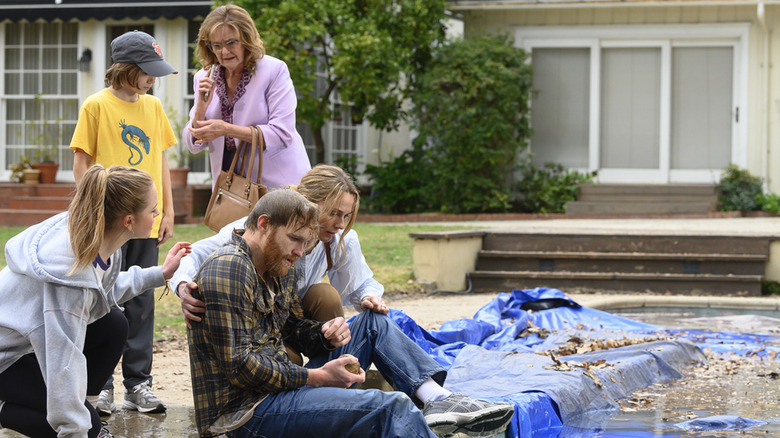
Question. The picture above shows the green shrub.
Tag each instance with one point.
(740, 191)
(769, 287)
(770, 202)
(470, 111)
(547, 189)
(399, 185)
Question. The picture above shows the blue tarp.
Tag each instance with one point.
(497, 356)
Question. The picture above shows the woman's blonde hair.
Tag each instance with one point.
(240, 21)
(102, 198)
(325, 186)
(122, 74)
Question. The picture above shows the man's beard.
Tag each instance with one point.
(275, 257)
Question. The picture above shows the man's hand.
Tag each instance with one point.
(375, 304)
(336, 331)
(190, 306)
(333, 374)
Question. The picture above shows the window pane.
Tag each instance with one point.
(630, 105)
(13, 32)
(70, 58)
(51, 109)
(70, 109)
(70, 33)
(13, 134)
(67, 129)
(13, 83)
(31, 84)
(51, 33)
(69, 83)
(13, 110)
(50, 81)
(560, 102)
(32, 58)
(701, 107)
(51, 58)
(13, 59)
(32, 109)
(31, 34)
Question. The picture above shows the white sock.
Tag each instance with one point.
(431, 391)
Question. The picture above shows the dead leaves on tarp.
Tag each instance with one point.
(543, 333)
(587, 367)
(579, 345)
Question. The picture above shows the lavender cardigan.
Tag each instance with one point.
(269, 102)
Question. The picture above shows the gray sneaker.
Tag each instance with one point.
(105, 405)
(461, 414)
(141, 398)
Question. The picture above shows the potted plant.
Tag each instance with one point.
(45, 161)
(178, 165)
(24, 172)
(47, 137)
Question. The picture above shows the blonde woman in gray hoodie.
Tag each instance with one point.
(61, 331)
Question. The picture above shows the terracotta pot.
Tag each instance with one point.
(48, 172)
(179, 177)
(31, 176)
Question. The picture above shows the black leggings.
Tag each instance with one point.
(24, 391)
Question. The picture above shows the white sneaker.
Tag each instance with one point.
(459, 414)
(105, 405)
(141, 398)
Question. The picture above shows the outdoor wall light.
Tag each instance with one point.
(86, 58)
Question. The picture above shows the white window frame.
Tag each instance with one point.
(4, 98)
(665, 37)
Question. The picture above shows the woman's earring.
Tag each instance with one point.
(131, 233)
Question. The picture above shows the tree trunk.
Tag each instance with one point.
(319, 145)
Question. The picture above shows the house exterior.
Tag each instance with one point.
(56, 52)
(647, 91)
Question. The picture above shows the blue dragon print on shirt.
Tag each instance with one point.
(130, 133)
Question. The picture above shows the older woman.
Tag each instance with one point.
(239, 87)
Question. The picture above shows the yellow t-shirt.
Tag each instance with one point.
(135, 134)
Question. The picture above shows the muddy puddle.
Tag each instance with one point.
(729, 385)
(177, 422)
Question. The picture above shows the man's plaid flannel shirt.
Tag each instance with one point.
(236, 352)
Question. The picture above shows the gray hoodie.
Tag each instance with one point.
(46, 311)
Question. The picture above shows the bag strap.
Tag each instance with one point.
(258, 141)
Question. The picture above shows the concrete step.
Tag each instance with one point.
(625, 243)
(603, 199)
(39, 202)
(591, 261)
(640, 206)
(649, 189)
(648, 198)
(706, 284)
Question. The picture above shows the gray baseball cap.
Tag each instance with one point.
(140, 48)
